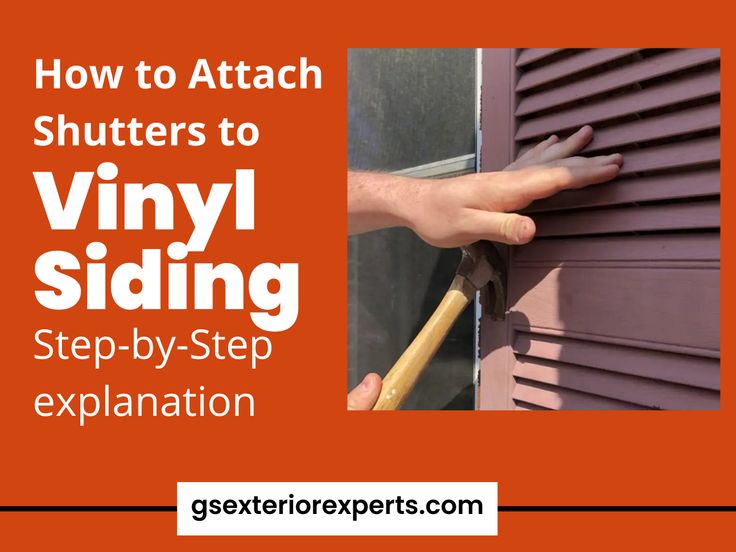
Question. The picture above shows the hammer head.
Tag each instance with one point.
(483, 267)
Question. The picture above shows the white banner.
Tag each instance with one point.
(333, 508)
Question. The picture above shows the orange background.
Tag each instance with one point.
(301, 430)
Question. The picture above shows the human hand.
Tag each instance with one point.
(552, 149)
(457, 211)
(365, 395)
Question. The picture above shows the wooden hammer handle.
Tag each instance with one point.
(402, 377)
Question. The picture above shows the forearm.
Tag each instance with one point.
(379, 200)
(455, 211)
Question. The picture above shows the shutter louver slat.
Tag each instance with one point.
(555, 398)
(654, 365)
(692, 248)
(647, 69)
(570, 66)
(697, 119)
(671, 156)
(531, 55)
(624, 387)
(661, 95)
(521, 405)
(635, 190)
(683, 216)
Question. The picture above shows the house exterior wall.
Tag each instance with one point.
(615, 305)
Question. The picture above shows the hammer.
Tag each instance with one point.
(481, 269)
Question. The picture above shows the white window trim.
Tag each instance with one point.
(444, 168)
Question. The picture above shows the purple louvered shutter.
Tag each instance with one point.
(616, 304)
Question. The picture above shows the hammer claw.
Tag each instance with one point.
(481, 269)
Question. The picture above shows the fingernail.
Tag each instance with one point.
(526, 230)
(364, 386)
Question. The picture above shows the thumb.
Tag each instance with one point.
(365, 395)
(508, 228)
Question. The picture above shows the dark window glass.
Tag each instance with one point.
(407, 107)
